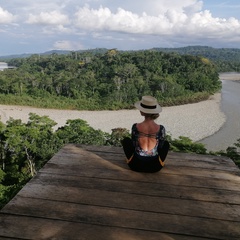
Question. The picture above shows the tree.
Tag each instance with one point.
(108, 79)
(78, 131)
(29, 145)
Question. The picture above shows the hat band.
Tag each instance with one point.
(149, 107)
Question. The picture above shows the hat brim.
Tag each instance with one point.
(156, 110)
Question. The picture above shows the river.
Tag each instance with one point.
(230, 105)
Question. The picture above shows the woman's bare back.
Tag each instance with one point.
(147, 134)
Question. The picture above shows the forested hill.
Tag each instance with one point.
(226, 59)
(111, 80)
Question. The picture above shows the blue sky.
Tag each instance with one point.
(41, 25)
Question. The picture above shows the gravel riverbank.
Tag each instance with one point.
(198, 121)
(195, 121)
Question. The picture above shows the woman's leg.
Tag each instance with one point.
(139, 163)
(128, 147)
(163, 150)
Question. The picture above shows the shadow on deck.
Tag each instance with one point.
(88, 192)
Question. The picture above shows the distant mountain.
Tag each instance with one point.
(59, 52)
(95, 51)
(24, 55)
(215, 54)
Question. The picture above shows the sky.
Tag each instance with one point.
(37, 26)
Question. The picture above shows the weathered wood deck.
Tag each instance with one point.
(87, 192)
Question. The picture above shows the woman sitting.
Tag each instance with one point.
(147, 148)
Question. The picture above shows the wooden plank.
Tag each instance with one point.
(151, 189)
(158, 181)
(96, 190)
(127, 218)
(163, 181)
(114, 169)
(90, 192)
(84, 156)
(181, 157)
(175, 159)
(119, 160)
(202, 193)
(100, 166)
(168, 175)
(43, 228)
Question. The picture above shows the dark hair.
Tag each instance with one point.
(152, 116)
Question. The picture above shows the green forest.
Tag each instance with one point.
(92, 80)
(112, 80)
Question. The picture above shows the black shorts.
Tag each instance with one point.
(145, 164)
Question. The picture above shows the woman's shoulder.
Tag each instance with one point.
(148, 128)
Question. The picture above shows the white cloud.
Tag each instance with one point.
(193, 6)
(67, 45)
(122, 24)
(122, 20)
(203, 23)
(5, 16)
(171, 22)
(30, 6)
(48, 18)
(153, 7)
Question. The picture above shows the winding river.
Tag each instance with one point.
(230, 105)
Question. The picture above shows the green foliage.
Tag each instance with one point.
(8, 192)
(108, 80)
(225, 59)
(25, 148)
(2, 175)
(29, 145)
(185, 144)
(117, 135)
(232, 152)
(78, 131)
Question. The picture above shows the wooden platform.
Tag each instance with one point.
(87, 192)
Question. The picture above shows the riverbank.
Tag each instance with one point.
(195, 121)
(233, 76)
(198, 121)
(229, 133)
